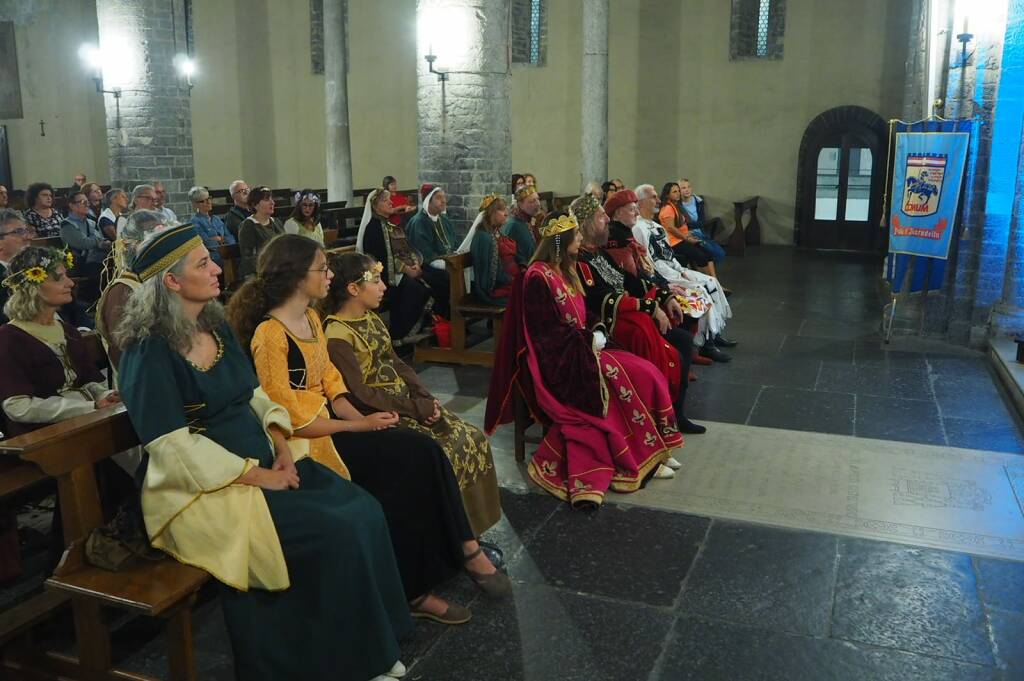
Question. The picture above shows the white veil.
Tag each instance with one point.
(365, 220)
(467, 243)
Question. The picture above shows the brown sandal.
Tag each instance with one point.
(453, 614)
(496, 585)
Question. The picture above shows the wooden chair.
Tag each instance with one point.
(751, 235)
(165, 589)
(230, 256)
(465, 306)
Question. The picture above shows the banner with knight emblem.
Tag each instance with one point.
(928, 170)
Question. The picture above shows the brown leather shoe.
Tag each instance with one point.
(496, 585)
(453, 614)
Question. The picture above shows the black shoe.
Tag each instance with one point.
(723, 342)
(493, 553)
(727, 292)
(711, 352)
(688, 427)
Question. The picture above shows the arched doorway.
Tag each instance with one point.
(840, 173)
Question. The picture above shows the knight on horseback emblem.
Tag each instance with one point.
(923, 186)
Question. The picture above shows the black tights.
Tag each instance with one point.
(682, 341)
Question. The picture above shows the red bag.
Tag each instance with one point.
(443, 331)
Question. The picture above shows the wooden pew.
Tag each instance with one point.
(165, 589)
(229, 260)
(742, 237)
(465, 306)
(562, 202)
(48, 242)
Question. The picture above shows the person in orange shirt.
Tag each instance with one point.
(686, 246)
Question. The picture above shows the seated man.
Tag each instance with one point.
(652, 236)
(430, 232)
(160, 204)
(521, 223)
(640, 317)
(15, 236)
(87, 243)
(239, 211)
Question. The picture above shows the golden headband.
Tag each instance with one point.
(586, 206)
(374, 271)
(558, 226)
(37, 274)
(487, 201)
(525, 192)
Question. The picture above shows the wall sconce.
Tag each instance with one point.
(186, 67)
(449, 30)
(92, 58)
(441, 75)
(965, 37)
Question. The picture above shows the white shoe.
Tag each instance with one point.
(396, 672)
(664, 473)
(672, 463)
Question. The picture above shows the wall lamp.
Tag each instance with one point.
(92, 58)
(441, 75)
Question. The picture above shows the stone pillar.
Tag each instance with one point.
(594, 98)
(339, 149)
(464, 135)
(1008, 314)
(149, 127)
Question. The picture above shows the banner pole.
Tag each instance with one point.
(892, 321)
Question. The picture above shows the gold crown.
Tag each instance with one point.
(586, 206)
(557, 226)
(524, 192)
(487, 201)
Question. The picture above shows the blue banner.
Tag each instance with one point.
(927, 171)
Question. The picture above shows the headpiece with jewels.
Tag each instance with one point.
(586, 207)
(558, 226)
(525, 192)
(299, 197)
(46, 265)
(165, 249)
(487, 201)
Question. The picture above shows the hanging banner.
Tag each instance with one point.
(928, 168)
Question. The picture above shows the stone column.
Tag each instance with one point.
(594, 98)
(464, 135)
(149, 127)
(339, 149)
(1008, 314)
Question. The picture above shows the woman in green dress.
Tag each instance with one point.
(311, 586)
(360, 347)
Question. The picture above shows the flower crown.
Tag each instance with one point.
(487, 201)
(374, 271)
(37, 274)
(586, 207)
(299, 196)
(558, 226)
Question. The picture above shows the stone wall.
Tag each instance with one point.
(149, 128)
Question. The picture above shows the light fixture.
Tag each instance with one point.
(445, 32)
(93, 59)
(186, 67)
(441, 75)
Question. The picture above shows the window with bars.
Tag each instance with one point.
(529, 32)
(757, 29)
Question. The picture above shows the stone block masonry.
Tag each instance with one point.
(149, 128)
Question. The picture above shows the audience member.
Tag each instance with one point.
(360, 347)
(305, 217)
(41, 214)
(494, 254)
(115, 203)
(518, 182)
(405, 470)
(530, 180)
(609, 412)
(159, 205)
(401, 204)
(144, 197)
(410, 298)
(521, 224)
(686, 246)
(239, 210)
(93, 192)
(86, 242)
(79, 182)
(640, 317)
(15, 236)
(310, 582)
(696, 214)
(609, 188)
(3, 197)
(430, 232)
(594, 189)
(256, 230)
(211, 229)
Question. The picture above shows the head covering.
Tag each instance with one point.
(467, 243)
(427, 192)
(559, 225)
(586, 207)
(165, 249)
(36, 265)
(367, 216)
(525, 192)
(618, 200)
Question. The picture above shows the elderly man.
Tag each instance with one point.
(642, 317)
(15, 235)
(79, 182)
(159, 205)
(144, 197)
(521, 222)
(430, 232)
(86, 241)
(239, 211)
(209, 227)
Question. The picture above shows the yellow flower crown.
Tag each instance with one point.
(558, 226)
(374, 271)
(487, 201)
(37, 274)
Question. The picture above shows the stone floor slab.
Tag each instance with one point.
(1003, 436)
(1001, 583)
(892, 418)
(877, 381)
(793, 409)
(712, 399)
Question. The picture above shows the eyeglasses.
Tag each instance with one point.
(146, 197)
(20, 231)
(322, 270)
(81, 201)
(242, 191)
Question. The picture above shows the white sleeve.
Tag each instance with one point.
(439, 264)
(600, 340)
(25, 409)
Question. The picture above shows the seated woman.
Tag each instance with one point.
(115, 204)
(94, 193)
(311, 589)
(494, 254)
(610, 414)
(41, 214)
(360, 347)
(256, 230)
(401, 203)
(305, 218)
(409, 298)
(686, 246)
(406, 471)
(211, 228)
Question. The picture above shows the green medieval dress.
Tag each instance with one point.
(312, 590)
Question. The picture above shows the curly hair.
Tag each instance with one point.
(283, 263)
(347, 268)
(24, 303)
(33, 191)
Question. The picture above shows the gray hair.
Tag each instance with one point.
(137, 192)
(197, 194)
(140, 225)
(593, 188)
(9, 215)
(233, 187)
(643, 189)
(154, 311)
(112, 194)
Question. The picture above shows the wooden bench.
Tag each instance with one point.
(751, 235)
(561, 202)
(165, 589)
(465, 306)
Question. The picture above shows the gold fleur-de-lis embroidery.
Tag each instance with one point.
(580, 486)
(650, 439)
(560, 296)
(569, 318)
(611, 371)
(639, 417)
(625, 394)
(548, 468)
